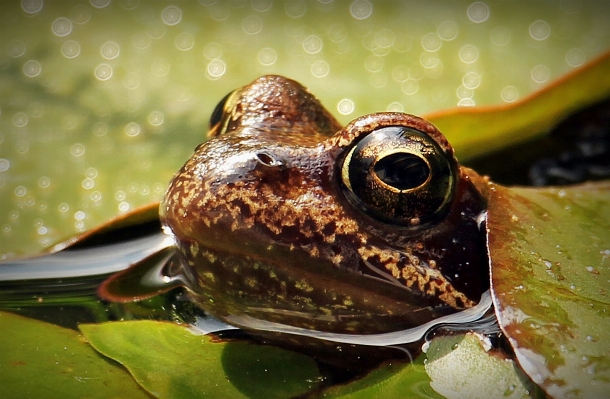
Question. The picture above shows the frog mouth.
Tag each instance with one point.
(471, 318)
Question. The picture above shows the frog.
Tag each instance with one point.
(284, 220)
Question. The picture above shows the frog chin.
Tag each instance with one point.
(479, 316)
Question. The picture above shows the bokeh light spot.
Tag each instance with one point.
(61, 27)
(345, 106)
(478, 12)
(171, 15)
(361, 9)
(540, 30)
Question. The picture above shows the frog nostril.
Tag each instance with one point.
(268, 160)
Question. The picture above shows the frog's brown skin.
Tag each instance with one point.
(261, 217)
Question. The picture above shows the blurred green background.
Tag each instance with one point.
(102, 100)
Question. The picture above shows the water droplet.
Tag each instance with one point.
(312, 44)
(431, 42)
(62, 27)
(509, 94)
(77, 149)
(70, 49)
(373, 63)
(140, 40)
(20, 191)
(478, 12)
(32, 6)
(96, 196)
(410, 86)
(99, 3)
(32, 68)
(132, 129)
(337, 33)
(155, 118)
(361, 9)
(16, 48)
(120, 195)
(295, 8)
(267, 56)
(471, 80)
(448, 30)
(345, 106)
(44, 182)
(385, 38)
(252, 24)
(129, 4)
(171, 15)
(212, 51)
(500, 36)
(216, 68)
(469, 54)
(184, 41)
(42, 230)
(79, 215)
(320, 69)
(575, 57)
(429, 60)
(80, 14)
(20, 119)
(5, 164)
(540, 30)
(261, 5)
(103, 72)
(110, 50)
(99, 129)
(160, 67)
(464, 92)
(395, 107)
(88, 184)
(22, 147)
(124, 206)
(540, 73)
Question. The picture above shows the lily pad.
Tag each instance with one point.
(170, 361)
(40, 360)
(476, 131)
(479, 375)
(391, 380)
(550, 256)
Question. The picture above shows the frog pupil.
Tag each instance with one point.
(402, 171)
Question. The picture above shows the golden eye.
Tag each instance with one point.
(399, 175)
(219, 112)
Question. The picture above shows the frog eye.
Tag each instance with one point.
(219, 111)
(399, 175)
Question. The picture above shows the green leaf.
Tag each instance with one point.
(481, 130)
(392, 380)
(460, 367)
(170, 361)
(40, 360)
(550, 257)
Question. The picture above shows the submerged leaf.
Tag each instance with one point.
(460, 367)
(170, 361)
(550, 257)
(388, 381)
(41, 360)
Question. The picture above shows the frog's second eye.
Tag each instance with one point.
(219, 111)
(400, 176)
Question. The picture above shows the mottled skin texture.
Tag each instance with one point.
(261, 217)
